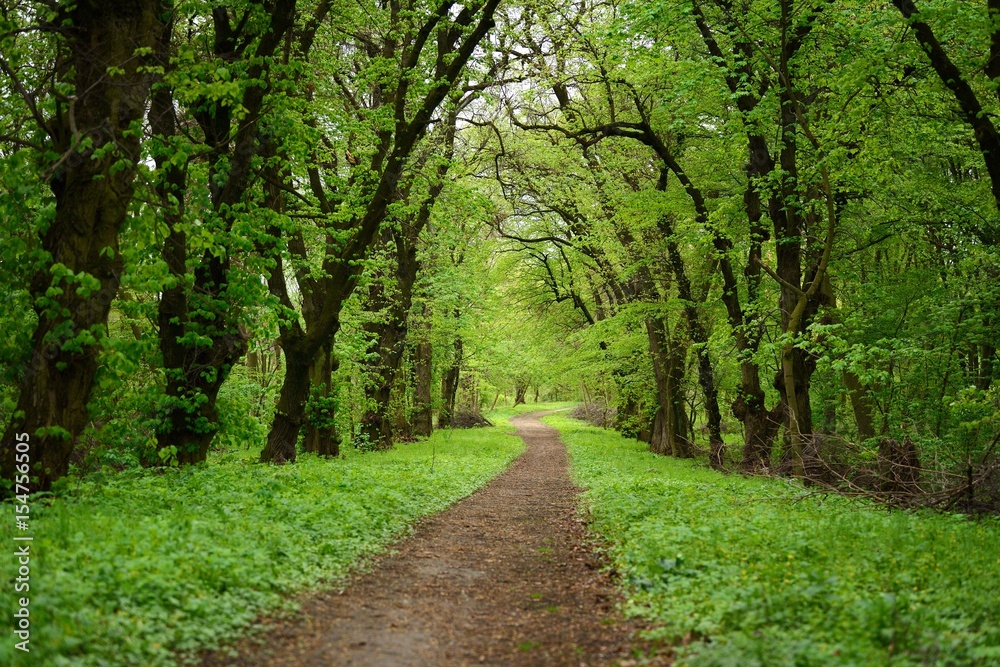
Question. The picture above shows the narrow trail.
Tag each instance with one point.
(501, 578)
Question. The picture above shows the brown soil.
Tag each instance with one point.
(504, 577)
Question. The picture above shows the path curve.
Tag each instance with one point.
(501, 578)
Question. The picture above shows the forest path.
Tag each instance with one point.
(503, 577)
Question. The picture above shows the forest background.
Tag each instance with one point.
(765, 230)
(761, 232)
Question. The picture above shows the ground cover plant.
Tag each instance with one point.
(140, 568)
(757, 571)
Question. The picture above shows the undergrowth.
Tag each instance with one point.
(146, 568)
(752, 572)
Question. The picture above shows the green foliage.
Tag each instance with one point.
(760, 572)
(245, 410)
(136, 568)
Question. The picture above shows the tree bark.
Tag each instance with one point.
(400, 402)
(972, 109)
(670, 427)
(189, 418)
(520, 392)
(422, 417)
(699, 335)
(390, 334)
(73, 291)
(798, 303)
(449, 386)
(388, 165)
(321, 435)
(861, 405)
(289, 413)
(760, 425)
(793, 379)
(390, 338)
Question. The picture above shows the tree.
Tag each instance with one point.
(389, 333)
(200, 332)
(83, 81)
(969, 101)
(392, 115)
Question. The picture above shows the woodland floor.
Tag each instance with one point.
(504, 577)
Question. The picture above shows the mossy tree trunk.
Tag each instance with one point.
(93, 188)
(321, 436)
(389, 169)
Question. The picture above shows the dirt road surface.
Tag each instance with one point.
(504, 577)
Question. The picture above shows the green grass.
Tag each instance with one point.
(505, 413)
(755, 572)
(140, 568)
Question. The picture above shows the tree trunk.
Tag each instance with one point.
(978, 118)
(205, 309)
(375, 427)
(422, 411)
(290, 411)
(376, 423)
(264, 362)
(861, 405)
(788, 249)
(390, 334)
(699, 335)
(759, 424)
(321, 435)
(520, 390)
(74, 290)
(449, 387)
(196, 373)
(670, 426)
(400, 402)
(899, 467)
(626, 421)
(325, 297)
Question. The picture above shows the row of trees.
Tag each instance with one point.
(789, 207)
(187, 182)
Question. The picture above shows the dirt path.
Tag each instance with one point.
(501, 578)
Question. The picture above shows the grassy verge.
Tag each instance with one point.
(754, 572)
(138, 568)
(502, 415)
